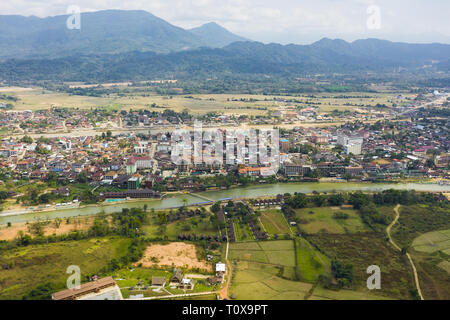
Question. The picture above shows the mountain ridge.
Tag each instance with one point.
(238, 58)
(104, 32)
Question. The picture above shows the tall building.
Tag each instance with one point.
(354, 148)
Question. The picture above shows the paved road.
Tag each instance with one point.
(388, 231)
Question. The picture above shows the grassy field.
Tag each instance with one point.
(418, 219)
(364, 249)
(310, 262)
(195, 225)
(425, 231)
(38, 264)
(315, 220)
(324, 294)
(433, 241)
(271, 252)
(258, 281)
(137, 98)
(431, 253)
(273, 222)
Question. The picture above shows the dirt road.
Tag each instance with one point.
(388, 231)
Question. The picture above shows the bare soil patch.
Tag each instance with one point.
(176, 254)
(10, 233)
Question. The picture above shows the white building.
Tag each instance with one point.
(354, 148)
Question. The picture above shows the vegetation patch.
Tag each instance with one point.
(255, 281)
(41, 264)
(279, 252)
(310, 262)
(329, 220)
(359, 251)
(416, 220)
(274, 222)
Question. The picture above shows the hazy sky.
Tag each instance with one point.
(283, 21)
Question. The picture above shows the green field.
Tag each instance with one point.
(315, 220)
(324, 294)
(47, 263)
(271, 252)
(273, 222)
(195, 225)
(257, 281)
(431, 253)
(416, 220)
(310, 262)
(433, 241)
(139, 97)
(243, 231)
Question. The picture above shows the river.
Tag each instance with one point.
(239, 192)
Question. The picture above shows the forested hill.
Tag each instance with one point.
(239, 58)
(102, 32)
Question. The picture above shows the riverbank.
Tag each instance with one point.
(253, 191)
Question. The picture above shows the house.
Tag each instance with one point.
(186, 284)
(177, 277)
(158, 281)
(221, 268)
(215, 280)
(62, 191)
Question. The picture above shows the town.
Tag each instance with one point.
(411, 145)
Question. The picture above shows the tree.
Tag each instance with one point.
(347, 176)
(318, 200)
(41, 292)
(27, 139)
(82, 177)
(215, 207)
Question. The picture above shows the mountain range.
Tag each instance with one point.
(135, 45)
(103, 32)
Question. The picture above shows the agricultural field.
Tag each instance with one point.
(424, 230)
(273, 222)
(416, 220)
(322, 219)
(197, 104)
(34, 265)
(195, 225)
(364, 249)
(430, 252)
(139, 98)
(343, 294)
(310, 262)
(433, 241)
(259, 281)
(242, 231)
(271, 252)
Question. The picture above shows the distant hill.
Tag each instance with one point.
(238, 58)
(215, 35)
(365, 54)
(102, 32)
